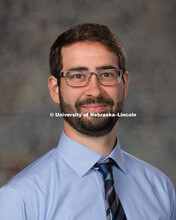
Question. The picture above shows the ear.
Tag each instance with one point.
(53, 89)
(126, 83)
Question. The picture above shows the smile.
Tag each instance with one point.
(95, 107)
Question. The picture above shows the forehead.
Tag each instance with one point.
(87, 53)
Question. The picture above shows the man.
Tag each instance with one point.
(88, 176)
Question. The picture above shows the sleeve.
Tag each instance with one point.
(173, 217)
(12, 205)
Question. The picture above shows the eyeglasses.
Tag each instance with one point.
(109, 77)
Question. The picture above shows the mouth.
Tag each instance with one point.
(95, 107)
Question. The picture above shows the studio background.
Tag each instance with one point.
(28, 29)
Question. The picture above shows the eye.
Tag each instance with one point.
(76, 75)
(108, 74)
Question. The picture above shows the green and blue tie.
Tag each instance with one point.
(114, 209)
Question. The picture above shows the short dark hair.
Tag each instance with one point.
(86, 32)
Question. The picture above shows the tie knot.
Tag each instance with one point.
(105, 169)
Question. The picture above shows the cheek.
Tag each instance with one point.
(115, 93)
(70, 95)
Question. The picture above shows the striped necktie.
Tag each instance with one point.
(114, 209)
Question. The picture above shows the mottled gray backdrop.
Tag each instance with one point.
(147, 31)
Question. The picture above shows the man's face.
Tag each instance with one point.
(94, 97)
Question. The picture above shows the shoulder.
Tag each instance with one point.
(35, 172)
(146, 180)
(135, 164)
(140, 168)
(28, 190)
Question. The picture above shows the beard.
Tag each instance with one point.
(92, 126)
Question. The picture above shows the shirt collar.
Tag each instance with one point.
(81, 159)
(118, 157)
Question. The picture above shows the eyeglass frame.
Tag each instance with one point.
(64, 74)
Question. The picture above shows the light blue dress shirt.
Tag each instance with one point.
(62, 186)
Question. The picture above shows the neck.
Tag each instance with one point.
(103, 144)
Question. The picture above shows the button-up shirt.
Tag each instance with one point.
(61, 185)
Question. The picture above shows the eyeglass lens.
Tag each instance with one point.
(81, 78)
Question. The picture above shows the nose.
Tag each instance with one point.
(94, 88)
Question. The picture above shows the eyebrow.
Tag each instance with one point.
(82, 68)
(79, 68)
(106, 67)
